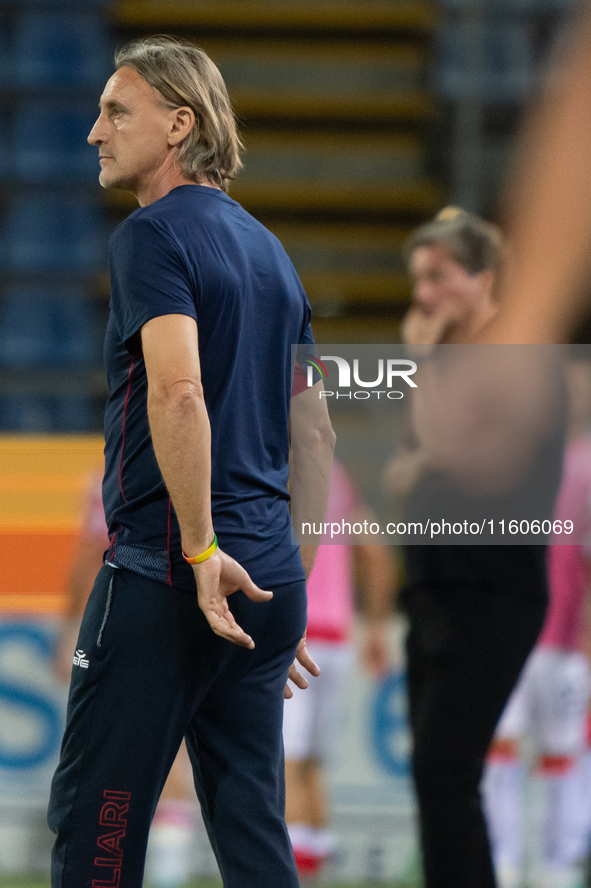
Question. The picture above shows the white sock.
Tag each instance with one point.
(323, 841)
(503, 804)
(301, 836)
(171, 842)
(585, 776)
(566, 821)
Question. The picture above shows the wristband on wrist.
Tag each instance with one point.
(204, 555)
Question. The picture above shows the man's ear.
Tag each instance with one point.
(182, 122)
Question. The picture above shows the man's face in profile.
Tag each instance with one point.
(131, 132)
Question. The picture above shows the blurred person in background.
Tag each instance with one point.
(549, 705)
(311, 721)
(454, 262)
(93, 541)
(474, 612)
(176, 820)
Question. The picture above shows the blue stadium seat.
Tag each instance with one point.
(60, 47)
(46, 413)
(48, 328)
(49, 142)
(5, 65)
(507, 57)
(54, 233)
(3, 148)
(60, 4)
(72, 413)
(25, 413)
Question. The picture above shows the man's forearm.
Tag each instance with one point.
(312, 448)
(310, 485)
(181, 437)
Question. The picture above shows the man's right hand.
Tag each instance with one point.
(305, 660)
(216, 579)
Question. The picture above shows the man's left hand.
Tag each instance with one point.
(217, 578)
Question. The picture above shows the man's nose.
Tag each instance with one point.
(96, 135)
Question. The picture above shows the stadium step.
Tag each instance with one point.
(291, 15)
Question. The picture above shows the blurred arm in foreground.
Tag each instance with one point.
(549, 207)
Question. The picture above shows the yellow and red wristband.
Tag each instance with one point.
(204, 555)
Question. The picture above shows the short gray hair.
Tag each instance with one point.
(474, 243)
(184, 75)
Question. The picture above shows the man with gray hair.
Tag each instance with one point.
(205, 305)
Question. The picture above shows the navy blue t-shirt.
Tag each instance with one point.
(197, 252)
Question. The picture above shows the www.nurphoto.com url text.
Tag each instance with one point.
(429, 528)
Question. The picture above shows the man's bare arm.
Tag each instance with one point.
(312, 448)
(312, 443)
(181, 437)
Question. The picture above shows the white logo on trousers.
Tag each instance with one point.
(79, 659)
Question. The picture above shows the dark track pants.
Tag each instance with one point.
(464, 658)
(155, 673)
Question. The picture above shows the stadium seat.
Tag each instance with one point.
(49, 142)
(48, 328)
(51, 233)
(72, 413)
(25, 413)
(300, 79)
(60, 4)
(340, 263)
(3, 148)
(60, 47)
(45, 413)
(507, 63)
(4, 51)
(513, 6)
(309, 171)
